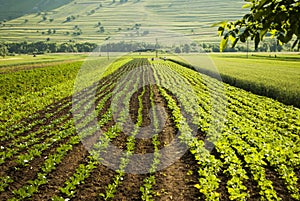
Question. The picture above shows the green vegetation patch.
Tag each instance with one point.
(262, 74)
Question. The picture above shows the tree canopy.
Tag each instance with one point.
(3, 50)
(278, 18)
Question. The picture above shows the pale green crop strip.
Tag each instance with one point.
(130, 145)
(285, 140)
(209, 166)
(264, 186)
(290, 180)
(146, 189)
(269, 106)
(272, 137)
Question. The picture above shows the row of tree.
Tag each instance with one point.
(122, 46)
(45, 47)
(265, 46)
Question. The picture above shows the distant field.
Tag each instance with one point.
(29, 59)
(261, 73)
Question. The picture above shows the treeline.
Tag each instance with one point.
(122, 46)
(46, 47)
(266, 46)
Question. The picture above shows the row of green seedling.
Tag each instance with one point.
(208, 165)
(293, 194)
(130, 145)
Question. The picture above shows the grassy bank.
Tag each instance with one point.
(262, 74)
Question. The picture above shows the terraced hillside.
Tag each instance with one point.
(94, 21)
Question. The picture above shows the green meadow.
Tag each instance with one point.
(264, 74)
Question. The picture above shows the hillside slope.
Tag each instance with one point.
(95, 21)
(16, 8)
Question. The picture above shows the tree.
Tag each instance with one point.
(3, 50)
(279, 18)
(186, 48)
(102, 29)
(177, 50)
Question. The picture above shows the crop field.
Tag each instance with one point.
(143, 130)
(18, 62)
(260, 73)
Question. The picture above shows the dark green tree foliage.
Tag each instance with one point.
(101, 29)
(279, 18)
(3, 50)
(177, 50)
(43, 47)
(186, 48)
(123, 46)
